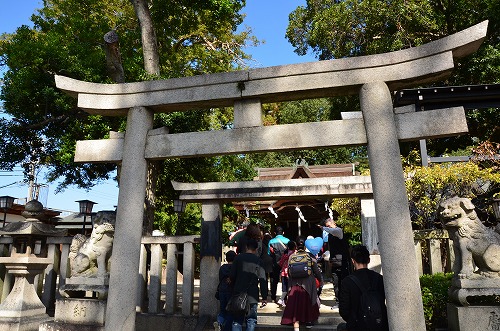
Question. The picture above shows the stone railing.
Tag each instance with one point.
(164, 290)
(150, 287)
(434, 251)
(154, 277)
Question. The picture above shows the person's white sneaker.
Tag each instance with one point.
(281, 303)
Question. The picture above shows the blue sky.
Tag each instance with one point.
(268, 20)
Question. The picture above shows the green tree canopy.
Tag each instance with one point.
(346, 28)
(42, 123)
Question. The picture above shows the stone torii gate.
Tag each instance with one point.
(381, 128)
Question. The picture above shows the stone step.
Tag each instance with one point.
(328, 320)
(288, 327)
(274, 327)
(272, 322)
(276, 320)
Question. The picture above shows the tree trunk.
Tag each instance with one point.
(149, 43)
(150, 200)
(151, 66)
(113, 57)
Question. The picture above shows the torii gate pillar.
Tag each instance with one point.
(211, 252)
(129, 218)
(405, 310)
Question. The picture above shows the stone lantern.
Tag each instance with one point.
(22, 309)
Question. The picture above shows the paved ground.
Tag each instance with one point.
(327, 299)
(269, 317)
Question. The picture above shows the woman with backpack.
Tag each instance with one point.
(303, 303)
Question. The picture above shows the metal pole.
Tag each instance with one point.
(4, 216)
(84, 219)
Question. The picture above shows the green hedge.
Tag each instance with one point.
(435, 297)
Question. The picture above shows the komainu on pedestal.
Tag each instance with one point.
(476, 267)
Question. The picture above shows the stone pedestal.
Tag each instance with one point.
(461, 289)
(473, 318)
(77, 315)
(84, 284)
(22, 310)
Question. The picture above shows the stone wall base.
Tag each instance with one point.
(80, 311)
(59, 326)
(23, 324)
(146, 322)
(473, 318)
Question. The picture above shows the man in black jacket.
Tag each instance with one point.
(350, 298)
(339, 253)
(247, 272)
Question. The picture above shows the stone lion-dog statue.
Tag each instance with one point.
(475, 245)
(89, 257)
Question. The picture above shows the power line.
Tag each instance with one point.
(10, 184)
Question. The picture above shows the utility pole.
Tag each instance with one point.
(33, 187)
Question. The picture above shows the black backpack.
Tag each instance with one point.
(372, 313)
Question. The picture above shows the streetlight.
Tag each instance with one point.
(6, 202)
(86, 209)
(179, 206)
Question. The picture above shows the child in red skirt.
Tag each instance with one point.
(302, 305)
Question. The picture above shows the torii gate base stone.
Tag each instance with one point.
(381, 128)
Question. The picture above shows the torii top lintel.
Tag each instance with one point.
(400, 69)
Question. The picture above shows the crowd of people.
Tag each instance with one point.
(261, 260)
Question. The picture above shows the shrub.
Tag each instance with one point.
(435, 298)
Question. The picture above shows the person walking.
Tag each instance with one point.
(277, 247)
(252, 231)
(302, 305)
(292, 246)
(361, 290)
(247, 275)
(267, 258)
(339, 253)
(224, 290)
